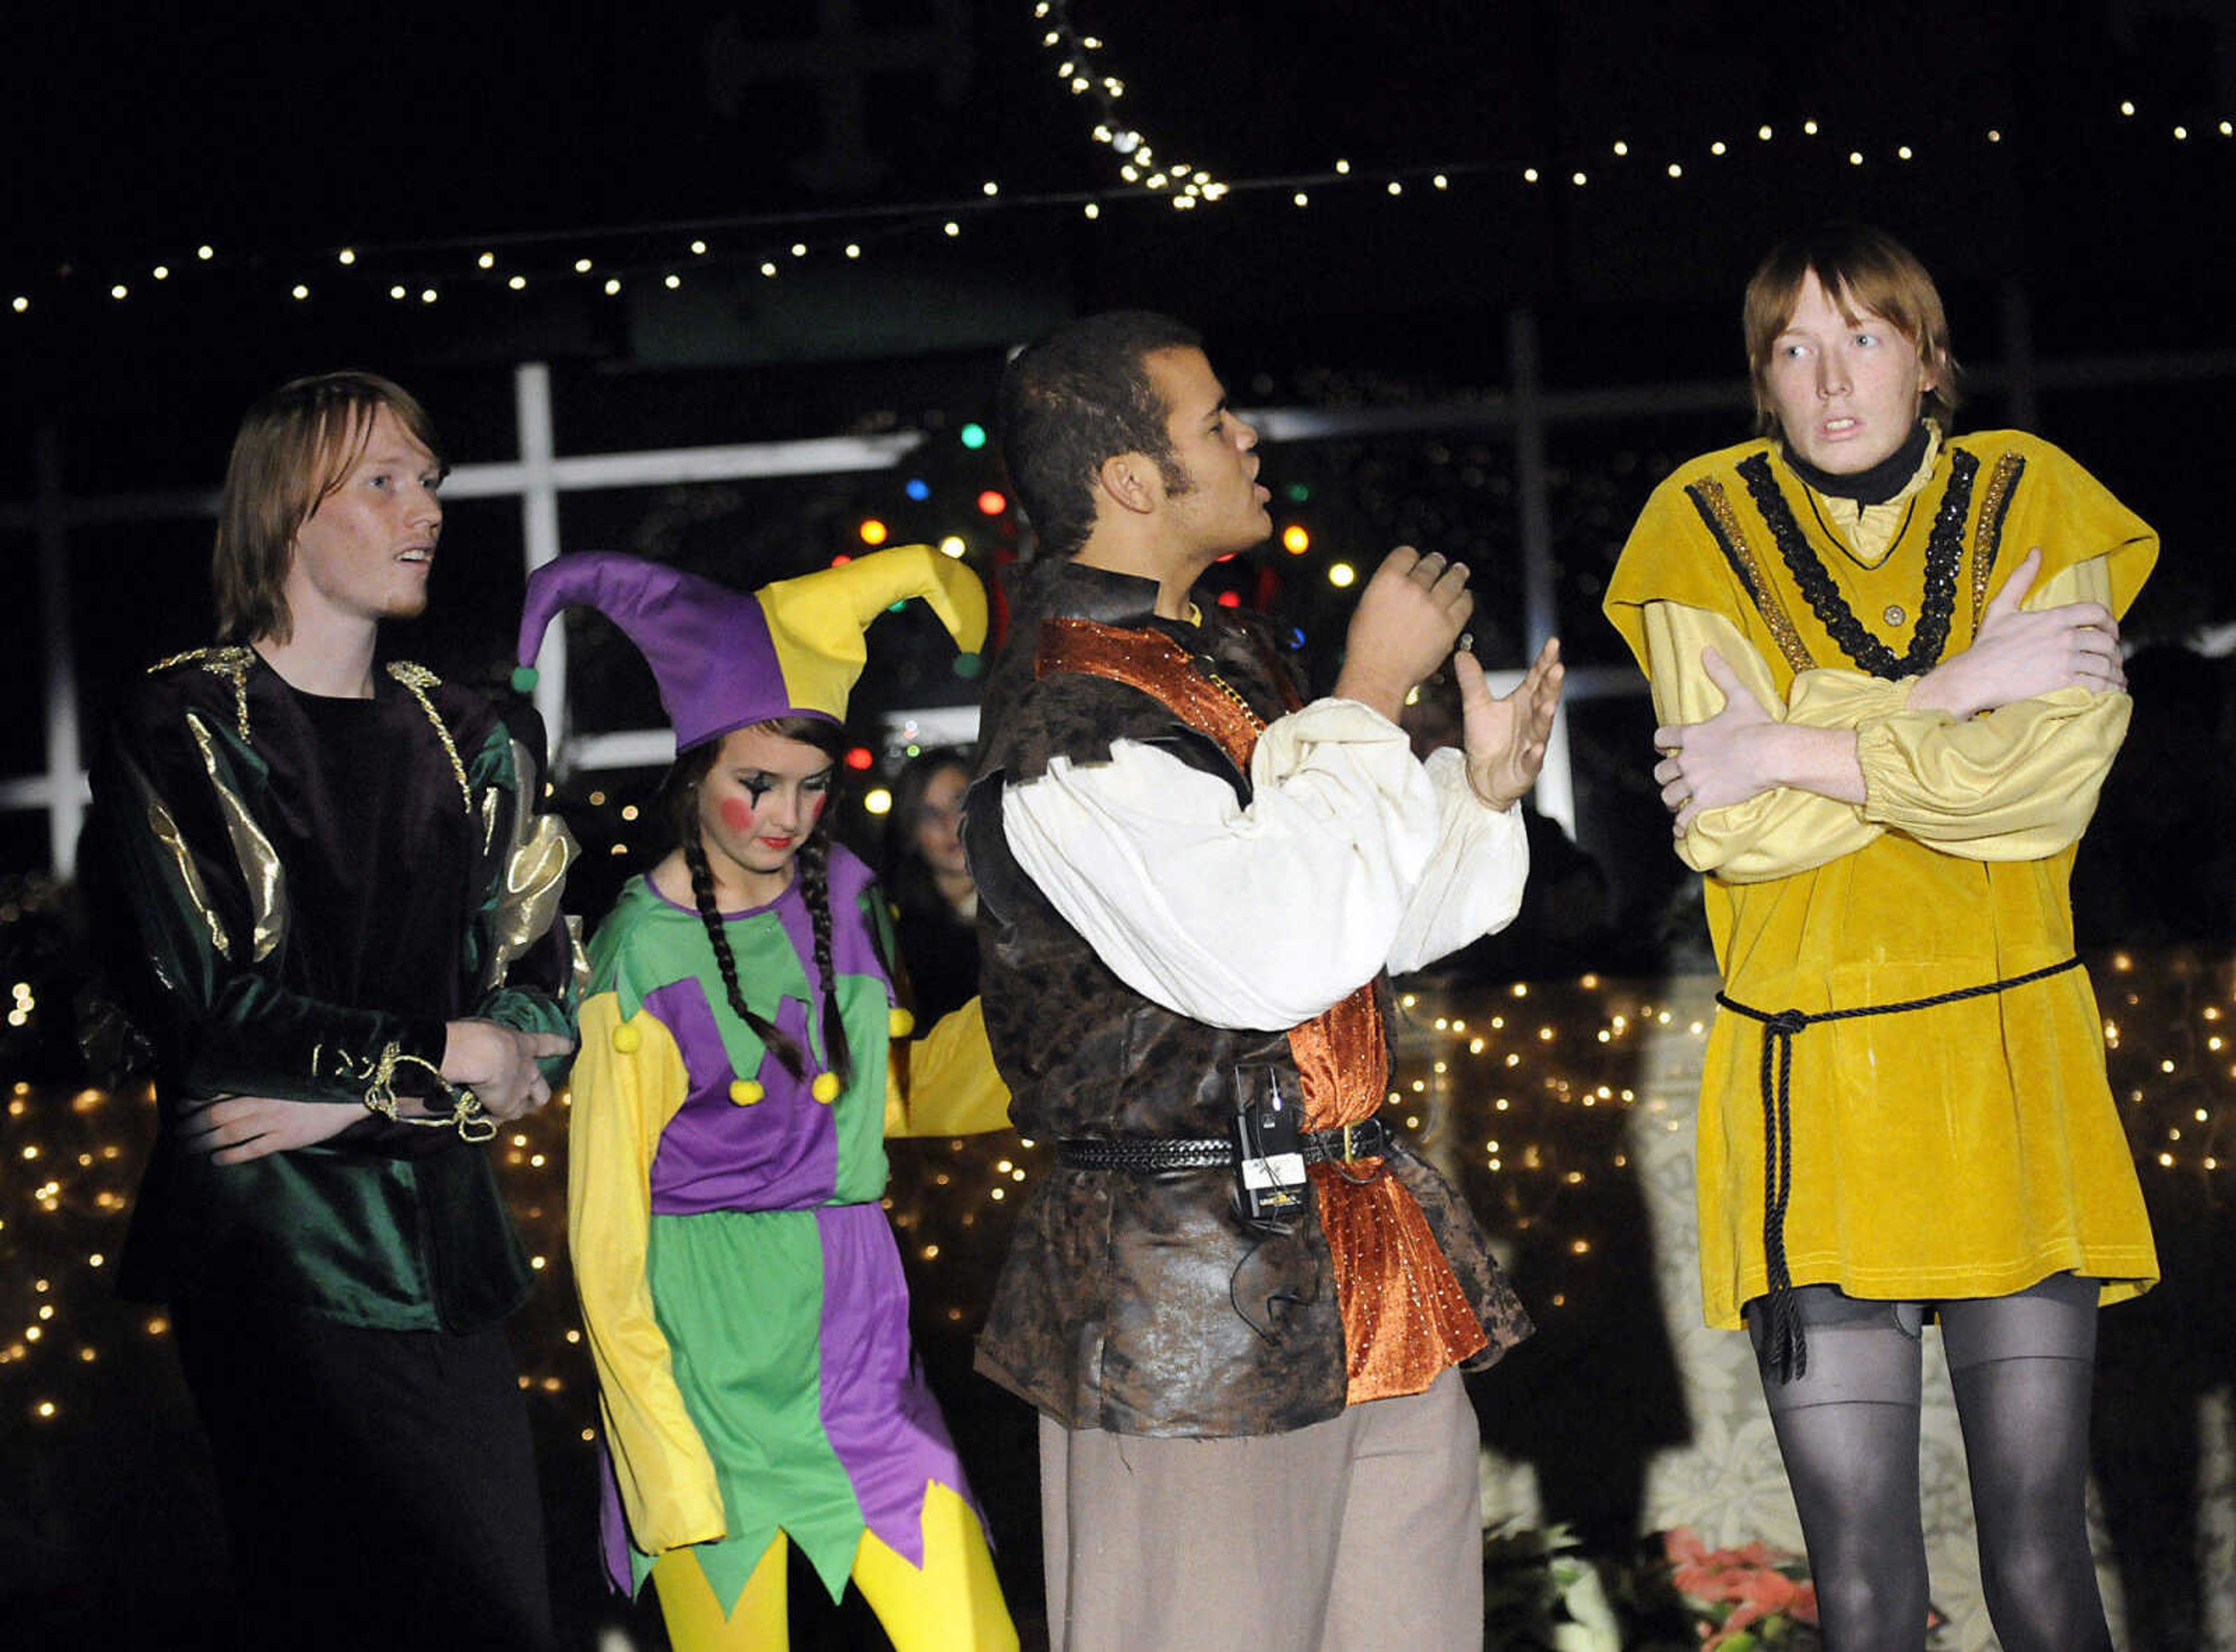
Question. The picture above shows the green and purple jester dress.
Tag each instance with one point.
(739, 1277)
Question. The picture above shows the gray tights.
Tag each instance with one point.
(2021, 1366)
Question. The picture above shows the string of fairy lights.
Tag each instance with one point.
(1078, 67)
(614, 261)
(1530, 1093)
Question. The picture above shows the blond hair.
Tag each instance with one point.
(294, 448)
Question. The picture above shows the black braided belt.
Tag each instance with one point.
(1142, 1155)
(1788, 1355)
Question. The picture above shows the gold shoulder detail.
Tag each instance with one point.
(412, 674)
(231, 660)
(223, 659)
(416, 681)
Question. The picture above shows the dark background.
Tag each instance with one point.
(423, 136)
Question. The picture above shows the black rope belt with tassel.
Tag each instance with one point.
(1788, 1355)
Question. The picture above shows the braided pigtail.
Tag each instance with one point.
(680, 801)
(815, 890)
(703, 891)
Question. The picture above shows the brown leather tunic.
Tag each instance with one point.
(1139, 1303)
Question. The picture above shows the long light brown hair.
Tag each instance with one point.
(294, 448)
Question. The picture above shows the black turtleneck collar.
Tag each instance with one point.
(1875, 486)
(1073, 590)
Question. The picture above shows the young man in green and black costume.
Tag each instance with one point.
(334, 908)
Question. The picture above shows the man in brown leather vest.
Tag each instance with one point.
(1237, 1301)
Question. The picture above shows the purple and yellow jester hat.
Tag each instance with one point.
(723, 658)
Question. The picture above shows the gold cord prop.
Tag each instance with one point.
(465, 1117)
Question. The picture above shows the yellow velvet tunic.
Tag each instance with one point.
(1969, 1149)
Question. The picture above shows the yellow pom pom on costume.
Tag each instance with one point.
(626, 1038)
(824, 1088)
(745, 1091)
(900, 1023)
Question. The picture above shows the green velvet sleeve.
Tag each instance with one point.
(521, 949)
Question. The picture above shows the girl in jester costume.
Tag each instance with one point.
(743, 1058)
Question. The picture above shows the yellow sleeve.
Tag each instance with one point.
(2017, 783)
(1783, 831)
(945, 1084)
(628, 1081)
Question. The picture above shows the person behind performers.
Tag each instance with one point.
(1886, 662)
(334, 911)
(1190, 885)
(739, 1281)
(928, 875)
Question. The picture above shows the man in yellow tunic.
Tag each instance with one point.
(1886, 662)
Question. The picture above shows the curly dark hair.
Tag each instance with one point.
(1078, 395)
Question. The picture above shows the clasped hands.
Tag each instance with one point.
(1407, 623)
(2017, 654)
(496, 1062)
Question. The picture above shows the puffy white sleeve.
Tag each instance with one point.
(1350, 856)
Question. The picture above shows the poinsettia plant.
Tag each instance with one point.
(1744, 1598)
(1545, 1592)
(1752, 1598)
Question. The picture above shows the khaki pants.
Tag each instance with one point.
(1360, 1534)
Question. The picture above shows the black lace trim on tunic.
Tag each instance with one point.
(1945, 550)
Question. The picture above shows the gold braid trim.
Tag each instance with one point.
(1710, 496)
(1987, 533)
(416, 679)
(232, 660)
(465, 1115)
